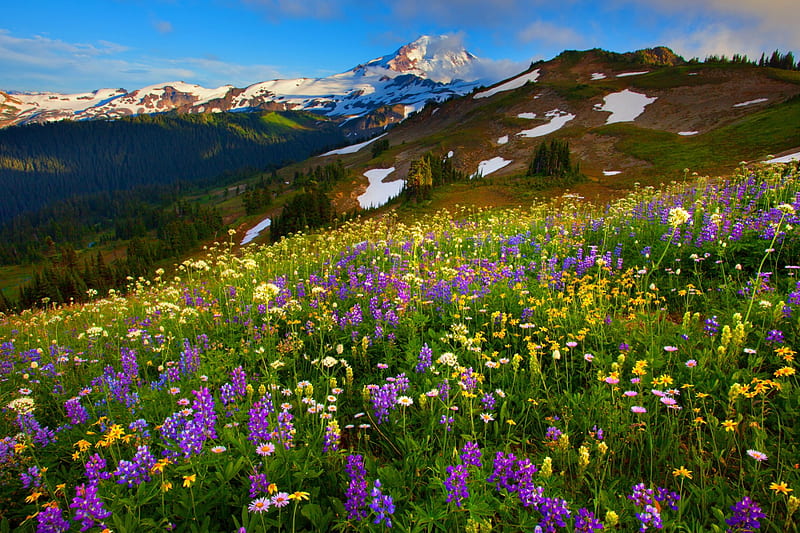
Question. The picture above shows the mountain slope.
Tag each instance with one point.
(623, 115)
(430, 68)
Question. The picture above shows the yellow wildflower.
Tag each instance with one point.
(682, 472)
(188, 480)
(297, 496)
(729, 425)
(781, 487)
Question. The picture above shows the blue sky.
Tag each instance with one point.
(79, 46)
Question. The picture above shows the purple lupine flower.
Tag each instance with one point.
(424, 359)
(204, 415)
(258, 422)
(746, 516)
(552, 433)
(357, 487)
(32, 478)
(191, 439)
(468, 380)
(711, 326)
(667, 498)
(471, 454)
(89, 509)
(258, 484)
(137, 470)
(456, 484)
(76, 413)
(444, 389)
(488, 401)
(140, 426)
(285, 428)
(239, 381)
(775, 336)
(51, 520)
(586, 522)
(332, 437)
(383, 399)
(382, 505)
(554, 514)
(447, 422)
(130, 366)
(95, 469)
(503, 473)
(227, 394)
(649, 517)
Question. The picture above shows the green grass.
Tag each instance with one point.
(754, 137)
(278, 119)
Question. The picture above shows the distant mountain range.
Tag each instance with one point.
(429, 69)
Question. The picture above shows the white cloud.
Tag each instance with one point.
(42, 64)
(549, 33)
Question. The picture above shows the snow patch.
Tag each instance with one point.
(353, 148)
(687, 133)
(379, 192)
(785, 158)
(557, 120)
(611, 172)
(626, 74)
(503, 140)
(598, 76)
(751, 102)
(527, 115)
(624, 106)
(515, 83)
(449, 154)
(490, 165)
(253, 232)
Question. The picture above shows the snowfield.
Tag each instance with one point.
(516, 83)
(785, 158)
(626, 74)
(253, 232)
(624, 106)
(611, 172)
(487, 167)
(379, 192)
(751, 102)
(353, 148)
(503, 140)
(557, 120)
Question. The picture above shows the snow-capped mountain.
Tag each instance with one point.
(430, 68)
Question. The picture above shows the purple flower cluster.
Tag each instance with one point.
(137, 470)
(356, 493)
(471, 454)
(382, 505)
(516, 476)
(76, 413)
(51, 520)
(651, 502)
(258, 484)
(746, 516)
(89, 508)
(456, 484)
(424, 359)
(258, 420)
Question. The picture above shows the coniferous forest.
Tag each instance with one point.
(41, 164)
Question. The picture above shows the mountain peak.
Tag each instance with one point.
(439, 58)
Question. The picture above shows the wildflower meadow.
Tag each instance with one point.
(566, 367)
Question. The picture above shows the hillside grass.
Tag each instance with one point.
(751, 138)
